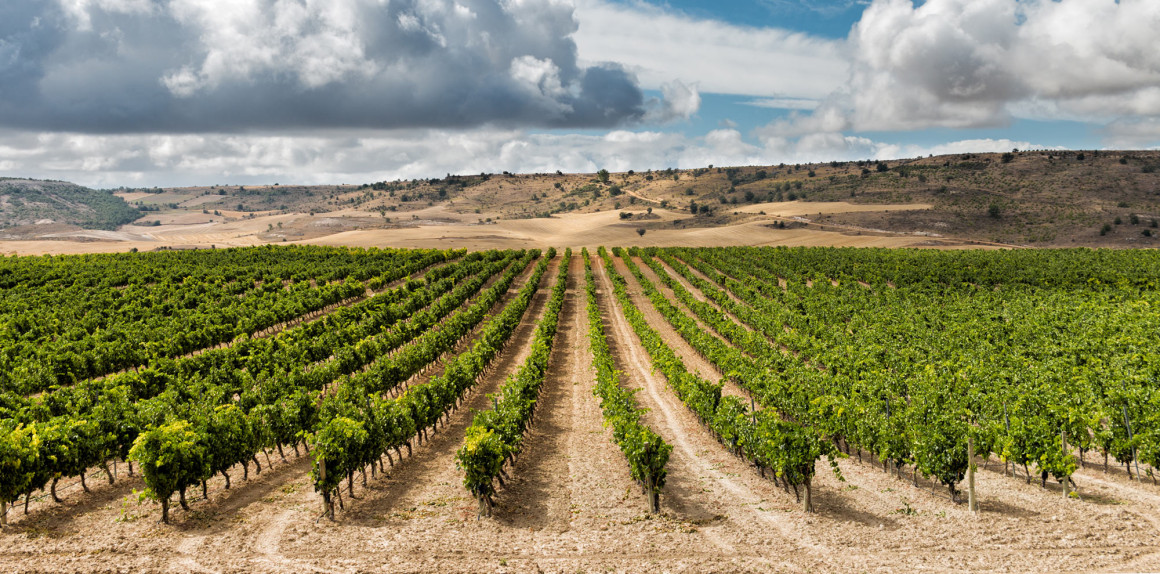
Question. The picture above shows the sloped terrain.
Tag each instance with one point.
(25, 202)
(1016, 199)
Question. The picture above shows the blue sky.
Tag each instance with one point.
(826, 18)
(186, 92)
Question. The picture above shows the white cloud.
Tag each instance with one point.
(784, 103)
(987, 145)
(1133, 133)
(678, 102)
(661, 45)
(972, 63)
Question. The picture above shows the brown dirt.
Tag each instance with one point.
(698, 294)
(692, 359)
(570, 505)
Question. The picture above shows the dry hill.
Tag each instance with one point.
(1031, 198)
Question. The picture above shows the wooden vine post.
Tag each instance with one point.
(327, 505)
(972, 505)
(650, 484)
(1135, 458)
(1066, 479)
(807, 499)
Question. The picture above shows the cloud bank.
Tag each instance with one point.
(194, 66)
(131, 160)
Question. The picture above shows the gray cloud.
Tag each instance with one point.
(190, 66)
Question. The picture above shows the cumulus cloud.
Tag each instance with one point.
(974, 63)
(187, 66)
(678, 102)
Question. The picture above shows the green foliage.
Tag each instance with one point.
(67, 319)
(761, 436)
(339, 445)
(255, 394)
(19, 458)
(1004, 347)
(230, 438)
(171, 457)
(481, 457)
(903, 353)
(392, 423)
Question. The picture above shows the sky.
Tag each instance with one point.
(143, 93)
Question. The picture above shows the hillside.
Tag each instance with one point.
(26, 202)
(1027, 199)
(1057, 199)
(1039, 198)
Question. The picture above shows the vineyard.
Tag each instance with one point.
(683, 409)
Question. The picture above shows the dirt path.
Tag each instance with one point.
(692, 359)
(706, 485)
(540, 495)
(698, 294)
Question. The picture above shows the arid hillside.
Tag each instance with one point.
(1028, 199)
